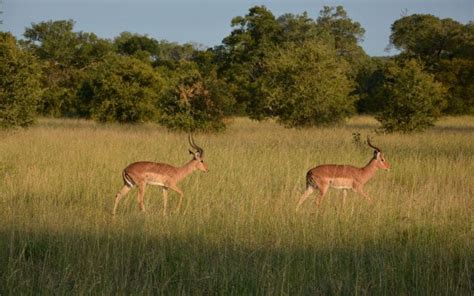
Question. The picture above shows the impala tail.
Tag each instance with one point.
(310, 180)
(127, 180)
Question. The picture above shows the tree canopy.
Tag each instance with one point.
(413, 100)
(447, 49)
(19, 84)
(299, 70)
(307, 84)
(121, 89)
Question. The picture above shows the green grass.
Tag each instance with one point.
(237, 232)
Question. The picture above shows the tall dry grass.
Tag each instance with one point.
(237, 232)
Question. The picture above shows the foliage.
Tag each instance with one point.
(53, 40)
(259, 33)
(89, 49)
(19, 84)
(429, 38)
(307, 84)
(447, 49)
(64, 56)
(413, 100)
(194, 100)
(299, 28)
(159, 53)
(346, 34)
(458, 76)
(234, 75)
(239, 58)
(139, 46)
(121, 89)
(369, 80)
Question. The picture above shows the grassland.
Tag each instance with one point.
(237, 232)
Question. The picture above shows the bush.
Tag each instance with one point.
(194, 100)
(121, 89)
(307, 85)
(412, 99)
(19, 84)
(458, 77)
(369, 80)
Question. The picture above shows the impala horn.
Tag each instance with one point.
(370, 144)
(195, 146)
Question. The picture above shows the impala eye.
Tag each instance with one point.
(202, 161)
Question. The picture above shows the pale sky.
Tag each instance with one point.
(207, 22)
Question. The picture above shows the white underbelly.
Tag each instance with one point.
(156, 183)
(341, 187)
(341, 183)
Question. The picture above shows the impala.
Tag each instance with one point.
(342, 177)
(145, 173)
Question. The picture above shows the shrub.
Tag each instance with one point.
(412, 99)
(193, 101)
(121, 89)
(19, 84)
(458, 77)
(307, 84)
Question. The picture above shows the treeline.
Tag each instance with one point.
(298, 70)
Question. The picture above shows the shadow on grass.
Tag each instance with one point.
(120, 263)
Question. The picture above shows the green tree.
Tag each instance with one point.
(259, 33)
(240, 57)
(412, 99)
(139, 46)
(158, 53)
(447, 49)
(194, 99)
(53, 40)
(307, 84)
(19, 84)
(53, 43)
(458, 76)
(64, 55)
(89, 49)
(368, 81)
(121, 89)
(300, 28)
(346, 33)
(427, 37)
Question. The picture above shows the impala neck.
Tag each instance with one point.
(369, 170)
(186, 169)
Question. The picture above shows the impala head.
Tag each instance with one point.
(197, 155)
(379, 157)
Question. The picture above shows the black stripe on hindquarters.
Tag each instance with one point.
(310, 181)
(128, 180)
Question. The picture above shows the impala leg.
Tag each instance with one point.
(305, 195)
(369, 199)
(141, 193)
(360, 190)
(177, 190)
(344, 196)
(323, 190)
(165, 200)
(125, 189)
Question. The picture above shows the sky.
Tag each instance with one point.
(207, 22)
